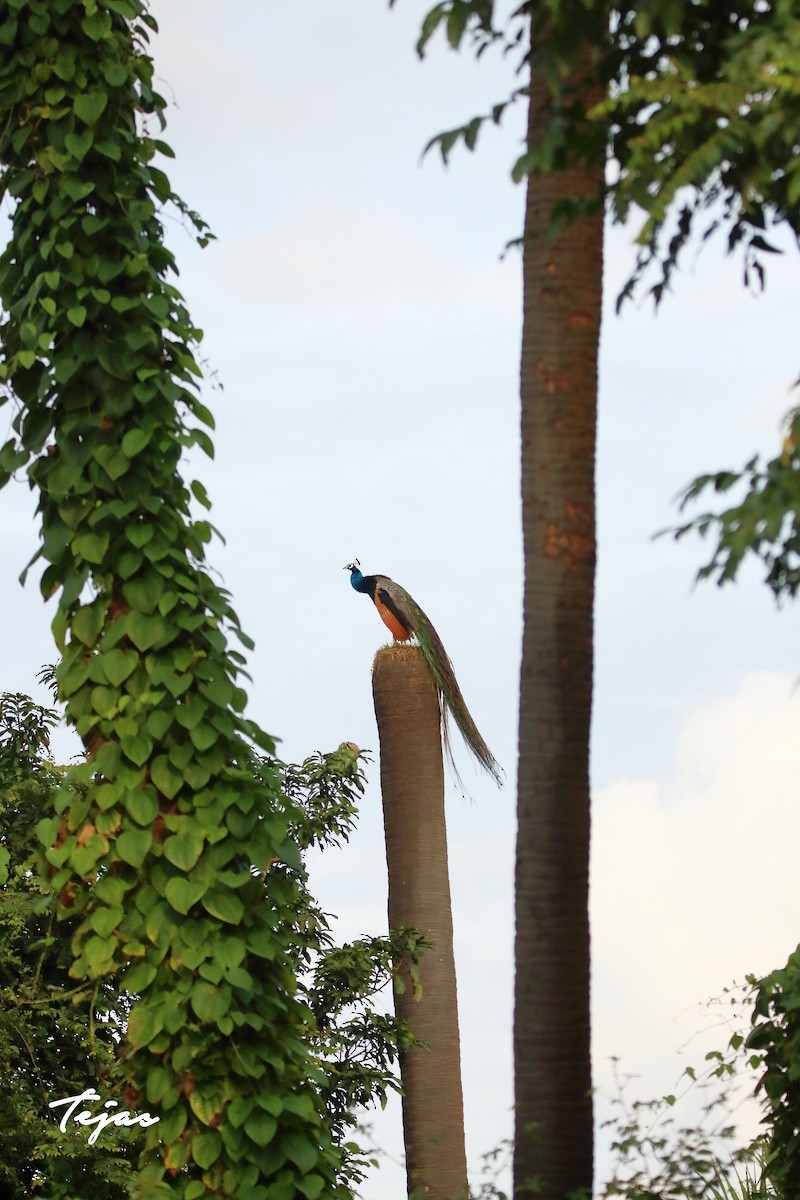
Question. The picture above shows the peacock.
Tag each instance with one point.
(405, 619)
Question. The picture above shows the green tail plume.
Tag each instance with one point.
(451, 701)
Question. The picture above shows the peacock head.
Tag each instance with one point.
(355, 572)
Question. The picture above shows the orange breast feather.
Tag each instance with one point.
(392, 623)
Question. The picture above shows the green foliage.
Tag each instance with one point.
(51, 1049)
(658, 1158)
(325, 789)
(54, 1036)
(764, 523)
(495, 1164)
(149, 844)
(751, 1184)
(458, 18)
(701, 113)
(356, 1045)
(24, 731)
(775, 1035)
(542, 36)
(706, 119)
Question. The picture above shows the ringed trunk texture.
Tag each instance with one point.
(562, 278)
(412, 785)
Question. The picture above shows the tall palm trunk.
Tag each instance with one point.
(562, 298)
(412, 785)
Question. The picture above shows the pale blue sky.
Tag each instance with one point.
(366, 332)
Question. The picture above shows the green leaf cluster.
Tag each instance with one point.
(700, 114)
(775, 1036)
(358, 1044)
(764, 524)
(54, 1049)
(704, 124)
(355, 1041)
(541, 36)
(656, 1152)
(150, 845)
(24, 733)
(56, 1037)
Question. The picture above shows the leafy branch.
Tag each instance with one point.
(765, 523)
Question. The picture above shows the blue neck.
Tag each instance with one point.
(357, 580)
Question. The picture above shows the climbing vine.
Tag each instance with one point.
(152, 842)
(56, 1034)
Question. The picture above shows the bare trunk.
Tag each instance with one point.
(562, 300)
(412, 784)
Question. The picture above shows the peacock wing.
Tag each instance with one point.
(390, 600)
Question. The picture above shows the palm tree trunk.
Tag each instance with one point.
(412, 784)
(562, 299)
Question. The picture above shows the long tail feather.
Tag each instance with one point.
(449, 692)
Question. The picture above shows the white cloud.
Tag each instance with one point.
(694, 882)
